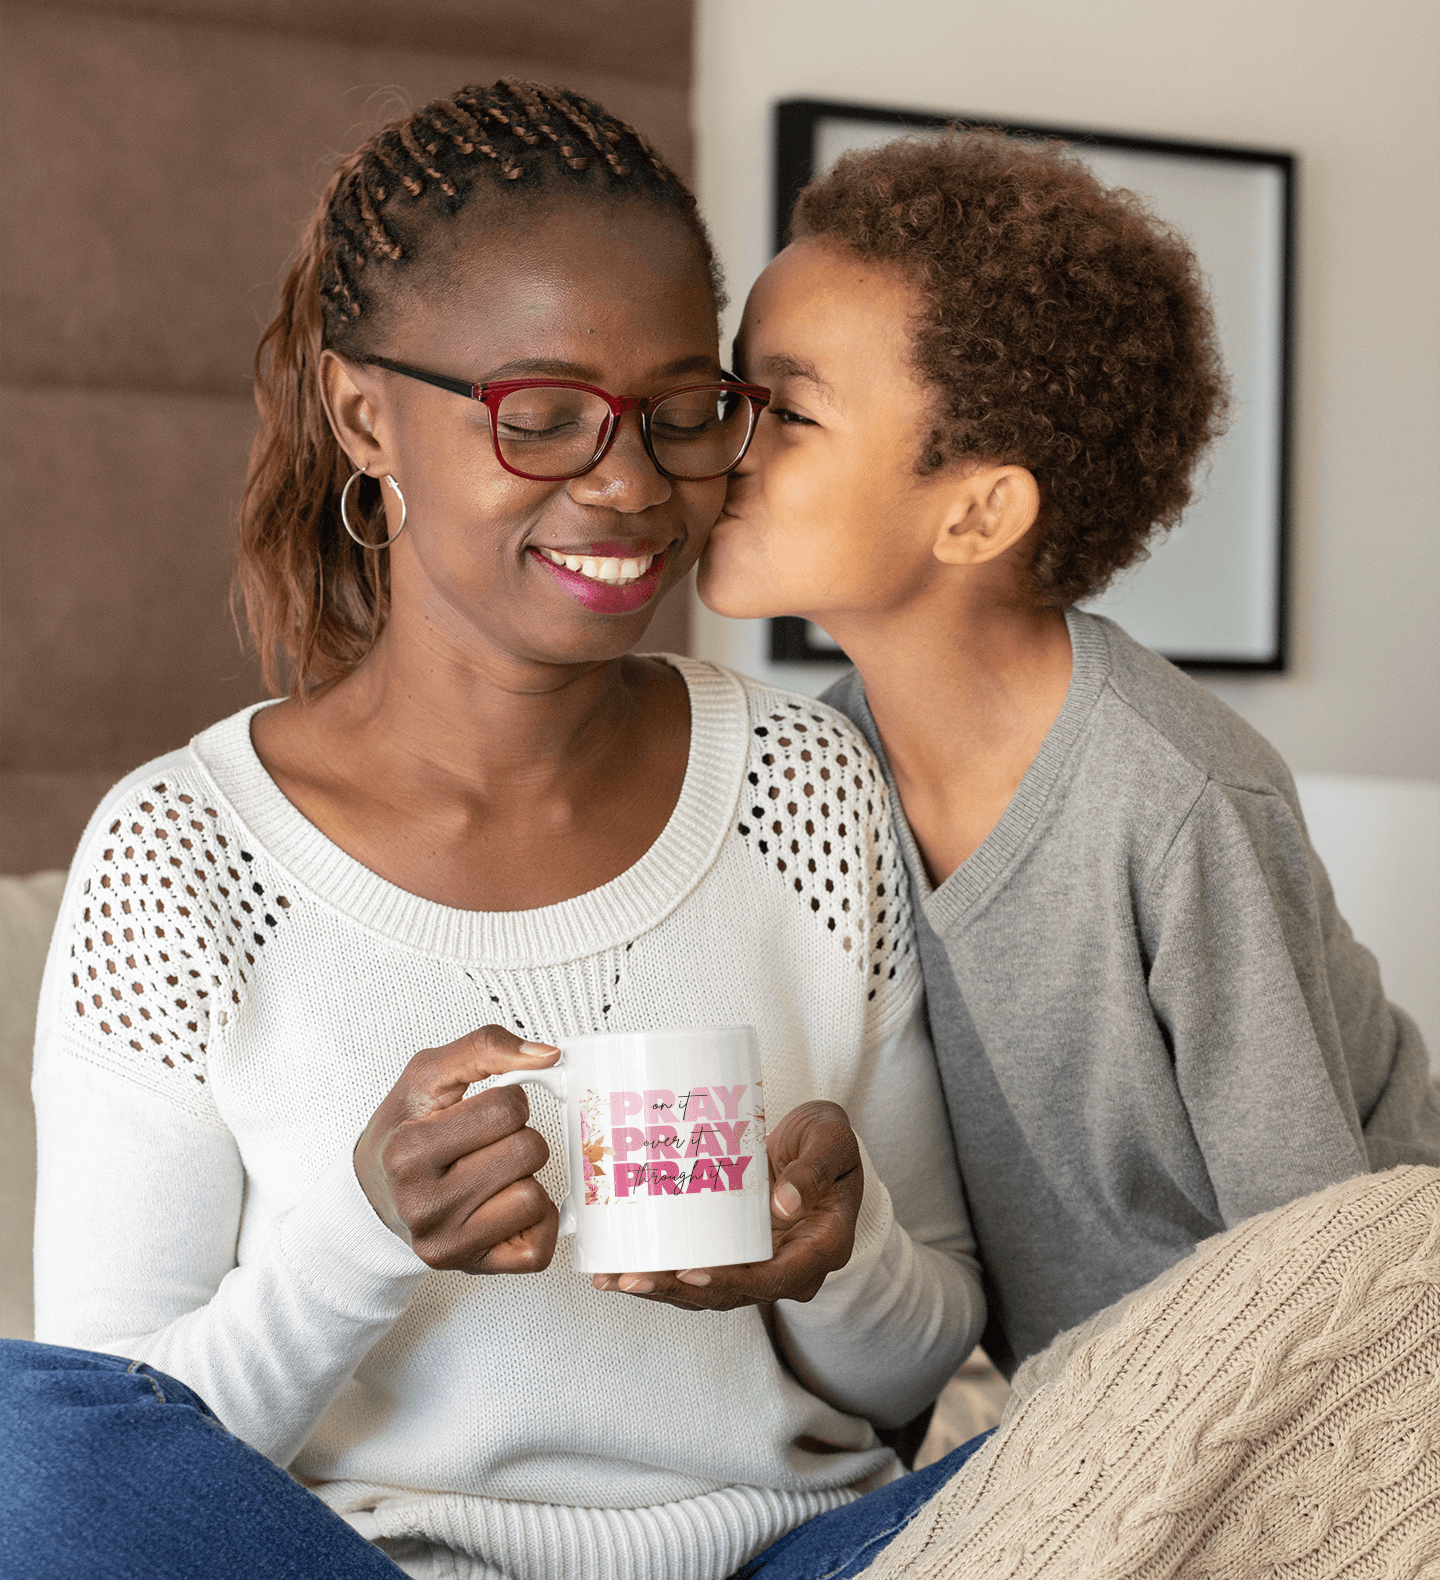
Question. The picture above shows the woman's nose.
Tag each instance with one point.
(625, 478)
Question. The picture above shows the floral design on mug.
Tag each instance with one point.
(593, 1149)
(760, 1179)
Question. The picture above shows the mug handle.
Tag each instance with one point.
(555, 1078)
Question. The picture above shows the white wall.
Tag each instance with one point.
(1380, 842)
(1354, 89)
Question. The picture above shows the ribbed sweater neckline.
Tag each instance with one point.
(604, 918)
(947, 906)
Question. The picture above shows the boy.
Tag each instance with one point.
(992, 381)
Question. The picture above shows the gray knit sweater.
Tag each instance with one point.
(1150, 1019)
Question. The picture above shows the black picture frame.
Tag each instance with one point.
(798, 125)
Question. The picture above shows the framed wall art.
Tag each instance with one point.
(1213, 595)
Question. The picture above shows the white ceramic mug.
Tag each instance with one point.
(664, 1148)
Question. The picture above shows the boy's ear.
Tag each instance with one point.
(990, 511)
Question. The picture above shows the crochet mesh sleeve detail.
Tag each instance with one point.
(167, 926)
(816, 810)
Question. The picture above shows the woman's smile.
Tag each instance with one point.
(605, 583)
(614, 563)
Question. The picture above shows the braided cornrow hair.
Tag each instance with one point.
(315, 601)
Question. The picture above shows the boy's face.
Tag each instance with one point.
(826, 517)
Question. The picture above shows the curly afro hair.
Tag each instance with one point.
(1062, 327)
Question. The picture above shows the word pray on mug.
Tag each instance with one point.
(669, 1179)
(715, 1141)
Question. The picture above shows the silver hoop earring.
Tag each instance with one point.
(345, 514)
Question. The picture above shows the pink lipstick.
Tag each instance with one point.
(600, 596)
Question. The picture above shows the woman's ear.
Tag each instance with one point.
(992, 508)
(352, 413)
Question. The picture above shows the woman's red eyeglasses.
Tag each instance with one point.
(547, 430)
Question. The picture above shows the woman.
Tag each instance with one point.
(473, 826)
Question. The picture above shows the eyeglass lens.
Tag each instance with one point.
(555, 433)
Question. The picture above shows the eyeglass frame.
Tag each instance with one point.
(491, 394)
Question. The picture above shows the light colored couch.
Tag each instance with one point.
(27, 917)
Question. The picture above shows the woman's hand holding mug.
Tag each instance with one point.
(452, 1175)
(670, 1167)
(817, 1183)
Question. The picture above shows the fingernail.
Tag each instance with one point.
(636, 1286)
(787, 1200)
(603, 1282)
(694, 1276)
(537, 1050)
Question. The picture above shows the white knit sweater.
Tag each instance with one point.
(229, 996)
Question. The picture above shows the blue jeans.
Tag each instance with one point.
(110, 1470)
(840, 1544)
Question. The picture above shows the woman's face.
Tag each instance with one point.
(826, 517)
(611, 296)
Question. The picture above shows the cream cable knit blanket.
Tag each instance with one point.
(1269, 1408)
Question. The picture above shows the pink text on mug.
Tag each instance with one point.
(658, 1142)
(664, 1139)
